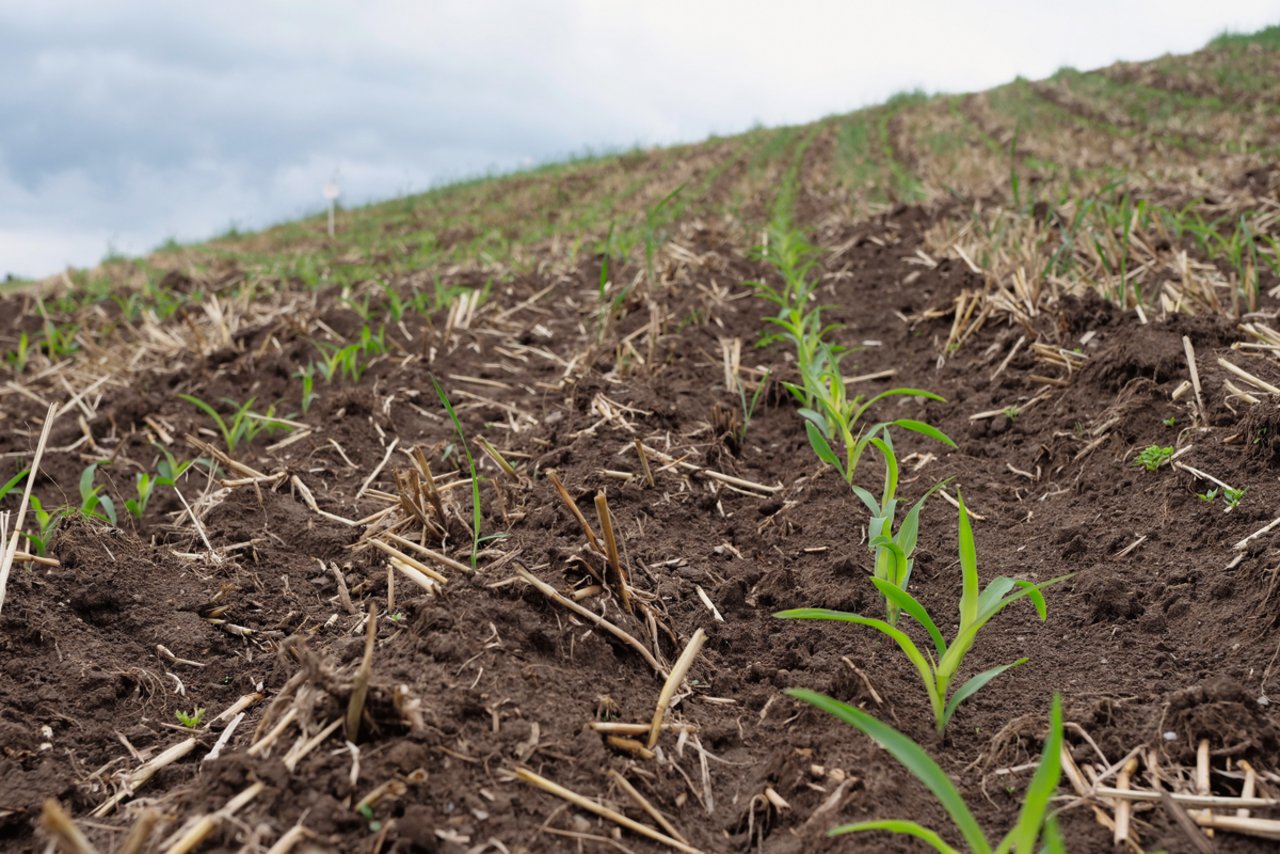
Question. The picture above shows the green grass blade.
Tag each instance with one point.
(910, 392)
(923, 666)
(973, 685)
(212, 413)
(1028, 590)
(911, 605)
(108, 510)
(909, 531)
(863, 495)
(924, 430)
(822, 448)
(901, 826)
(13, 482)
(968, 568)
(912, 756)
(471, 464)
(87, 491)
(1035, 804)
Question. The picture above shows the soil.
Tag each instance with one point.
(1164, 635)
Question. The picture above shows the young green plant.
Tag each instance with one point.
(893, 550)
(1035, 825)
(977, 607)
(471, 465)
(93, 504)
(1153, 456)
(243, 426)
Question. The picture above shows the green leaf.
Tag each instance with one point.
(968, 568)
(1035, 804)
(923, 666)
(885, 447)
(13, 482)
(471, 463)
(87, 490)
(915, 610)
(912, 756)
(924, 430)
(1029, 590)
(910, 392)
(227, 438)
(868, 499)
(910, 528)
(972, 686)
(820, 447)
(108, 509)
(901, 826)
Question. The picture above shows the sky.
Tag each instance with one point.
(125, 123)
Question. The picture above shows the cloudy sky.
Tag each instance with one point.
(127, 122)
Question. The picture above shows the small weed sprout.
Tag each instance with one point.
(1153, 456)
(1233, 497)
(977, 607)
(191, 720)
(1035, 823)
(1209, 495)
(1011, 412)
(1170, 421)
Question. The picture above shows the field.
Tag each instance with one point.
(399, 540)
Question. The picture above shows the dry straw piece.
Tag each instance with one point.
(669, 688)
(10, 549)
(604, 812)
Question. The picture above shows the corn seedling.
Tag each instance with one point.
(1035, 824)
(352, 360)
(45, 522)
(1153, 456)
(60, 340)
(93, 503)
(840, 417)
(471, 465)
(17, 358)
(169, 470)
(977, 607)
(145, 484)
(749, 407)
(190, 720)
(243, 425)
(307, 377)
(831, 415)
(893, 551)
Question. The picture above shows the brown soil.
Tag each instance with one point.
(1171, 643)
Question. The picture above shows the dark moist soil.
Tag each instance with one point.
(1171, 643)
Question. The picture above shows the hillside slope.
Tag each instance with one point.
(462, 483)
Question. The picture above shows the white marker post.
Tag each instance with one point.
(331, 193)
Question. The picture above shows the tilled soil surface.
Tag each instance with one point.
(1164, 636)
